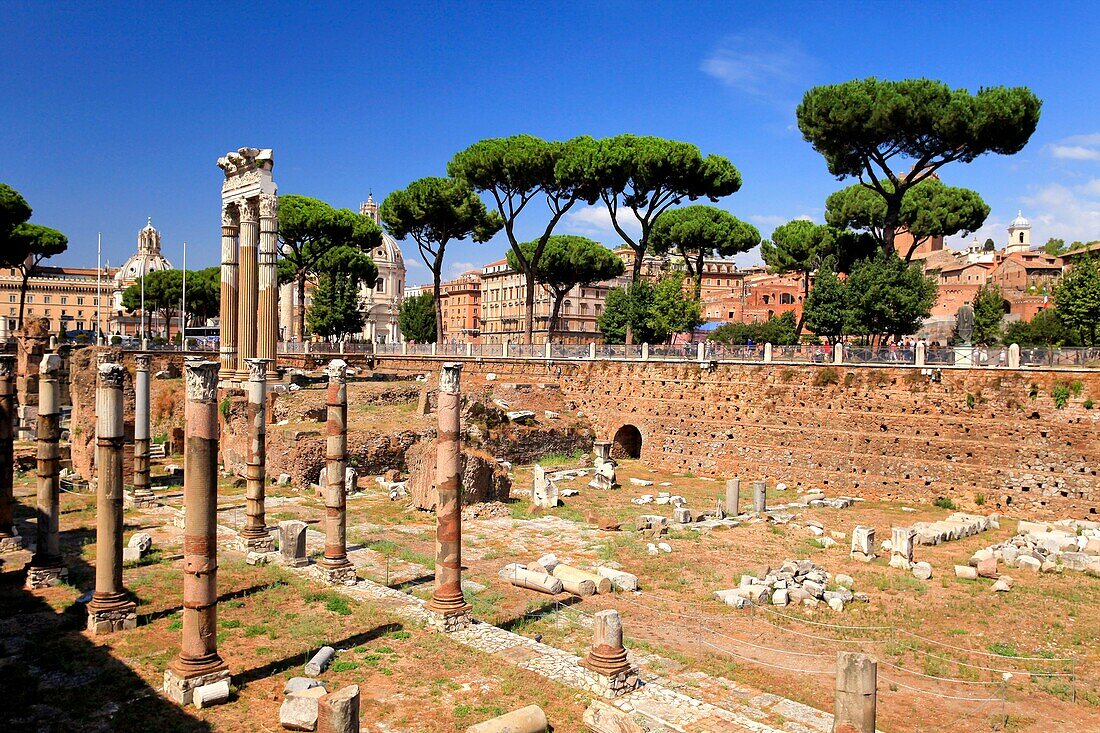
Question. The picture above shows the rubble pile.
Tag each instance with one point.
(956, 526)
(1067, 544)
(795, 582)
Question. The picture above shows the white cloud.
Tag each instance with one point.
(1072, 214)
(768, 222)
(415, 263)
(455, 269)
(595, 222)
(1077, 147)
(757, 65)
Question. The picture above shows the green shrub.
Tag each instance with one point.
(224, 406)
(1060, 393)
(1075, 387)
(1087, 404)
(826, 377)
(944, 503)
(979, 498)
(969, 401)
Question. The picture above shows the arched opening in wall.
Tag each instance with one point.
(627, 443)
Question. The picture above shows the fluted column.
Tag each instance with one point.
(228, 310)
(255, 535)
(9, 536)
(111, 608)
(247, 297)
(335, 566)
(142, 491)
(447, 599)
(46, 567)
(199, 662)
(267, 331)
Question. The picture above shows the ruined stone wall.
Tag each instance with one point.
(866, 431)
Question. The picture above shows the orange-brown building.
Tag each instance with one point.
(756, 295)
(68, 297)
(460, 302)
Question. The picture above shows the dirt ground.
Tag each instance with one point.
(943, 645)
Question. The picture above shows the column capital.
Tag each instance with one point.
(449, 378)
(110, 374)
(50, 364)
(202, 379)
(247, 208)
(257, 369)
(230, 216)
(143, 362)
(106, 356)
(337, 370)
(269, 205)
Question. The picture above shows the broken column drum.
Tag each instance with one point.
(142, 491)
(255, 535)
(856, 693)
(601, 452)
(335, 567)
(9, 536)
(733, 496)
(607, 657)
(447, 600)
(249, 304)
(46, 567)
(198, 663)
(111, 608)
(759, 497)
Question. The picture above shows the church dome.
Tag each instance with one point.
(1020, 222)
(146, 260)
(387, 252)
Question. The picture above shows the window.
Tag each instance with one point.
(80, 301)
(13, 299)
(64, 300)
(786, 299)
(1021, 237)
(380, 286)
(47, 299)
(30, 298)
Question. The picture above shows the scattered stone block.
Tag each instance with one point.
(320, 661)
(845, 580)
(142, 541)
(682, 515)
(292, 543)
(620, 580)
(296, 684)
(1001, 587)
(966, 572)
(531, 579)
(299, 709)
(1029, 563)
(640, 481)
(216, 693)
(338, 712)
(922, 571)
(987, 567)
(530, 719)
(664, 547)
(863, 543)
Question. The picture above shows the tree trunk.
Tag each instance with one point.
(301, 307)
(890, 223)
(802, 313)
(438, 306)
(558, 298)
(23, 296)
(529, 317)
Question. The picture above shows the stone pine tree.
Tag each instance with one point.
(23, 245)
(433, 212)
(885, 296)
(799, 247)
(164, 294)
(336, 307)
(698, 232)
(639, 178)
(515, 172)
(569, 261)
(308, 229)
(902, 132)
(1077, 299)
(417, 319)
(929, 209)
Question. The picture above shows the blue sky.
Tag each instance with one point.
(114, 114)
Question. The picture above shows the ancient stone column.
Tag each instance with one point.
(255, 535)
(267, 331)
(759, 496)
(856, 698)
(9, 535)
(198, 663)
(335, 567)
(447, 600)
(607, 657)
(111, 608)
(733, 496)
(248, 295)
(601, 452)
(143, 494)
(228, 311)
(46, 567)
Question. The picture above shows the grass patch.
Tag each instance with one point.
(341, 665)
(944, 503)
(1003, 649)
(826, 377)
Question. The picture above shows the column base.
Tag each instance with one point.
(448, 623)
(293, 562)
(339, 575)
(46, 577)
(139, 499)
(181, 690)
(263, 543)
(12, 543)
(616, 685)
(109, 620)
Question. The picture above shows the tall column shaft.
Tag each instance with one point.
(247, 296)
(109, 601)
(141, 423)
(7, 418)
(255, 531)
(228, 310)
(267, 334)
(336, 461)
(447, 596)
(199, 652)
(48, 542)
